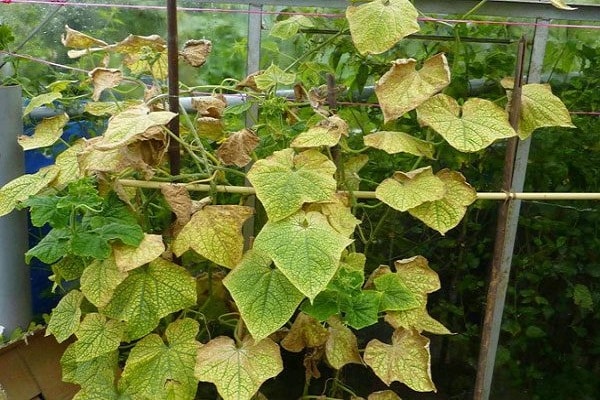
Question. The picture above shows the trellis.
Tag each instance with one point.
(540, 11)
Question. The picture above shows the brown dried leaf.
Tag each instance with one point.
(305, 332)
(195, 52)
(135, 44)
(179, 200)
(104, 78)
(209, 106)
(237, 148)
(77, 40)
(249, 82)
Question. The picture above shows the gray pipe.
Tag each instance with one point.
(15, 286)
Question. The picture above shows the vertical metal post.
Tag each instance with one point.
(15, 286)
(173, 80)
(501, 276)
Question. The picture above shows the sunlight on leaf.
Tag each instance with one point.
(326, 133)
(378, 25)
(399, 142)
(46, 133)
(129, 257)
(43, 99)
(341, 347)
(66, 316)
(407, 190)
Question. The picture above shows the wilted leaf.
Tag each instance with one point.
(215, 232)
(303, 242)
(403, 88)
(444, 214)
(306, 332)
(19, 189)
(195, 52)
(285, 181)
(341, 347)
(46, 133)
(236, 149)
(101, 108)
(41, 100)
(378, 25)
(472, 127)
(399, 142)
(77, 40)
(561, 4)
(100, 279)
(290, 26)
(416, 318)
(352, 166)
(129, 257)
(104, 78)
(407, 190)
(96, 336)
(209, 106)
(158, 369)
(273, 76)
(180, 202)
(406, 360)
(66, 316)
(238, 372)
(338, 213)
(326, 133)
(540, 108)
(264, 296)
(150, 293)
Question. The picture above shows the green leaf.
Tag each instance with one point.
(238, 372)
(406, 360)
(360, 310)
(264, 296)
(215, 232)
(89, 244)
(156, 369)
(395, 294)
(272, 77)
(41, 100)
(97, 336)
(19, 189)
(100, 279)
(305, 248)
(96, 373)
(289, 27)
(46, 133)
(341, 347)
(150, 293)
(323, 306)
(285, 181)
(128, 258)
(46, 210)
(378, 25)
(403, 88)
(65, 317)
(52, 247)
(444, 214)
(407, 190)
(326, 133)
(131, 235)
(472, 127)
(399, 142)
(583, 297)
(540, 108)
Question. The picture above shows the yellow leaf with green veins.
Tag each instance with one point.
(19, 189)
(215, 232)
(406, 360)
(68, 164)
(66, 316)
(305, 247)
(41, 100)
(265, 297)
(399, 142)
(338, 213)
(403, 88)
(289, 27)
(341, 347)
(472, 127)
(46, 133)
(285, 181)
(101, 108)
(444, 214)
(540, 108)
(96, 336)
(417, 275)
(378, 25)
(100, 279)
(129, 257)
(238, 371)
(164, 369)
(97, 373)
(326, 133)
(416, 318)
(150, 293)
(406, 190)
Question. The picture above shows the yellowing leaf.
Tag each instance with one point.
(403, 88)
(287, 28)
(65, 317)
(264, 296)
(306, 332)
(95, 374)
(399, 142)
(272, 77)
(195, 52)
(417, 275)
(406, 360)
(540, 108)
(338, 213)
(444, 214)
(285, 181)
(341, 347)
(101, 108)
(407, 190)
(77, 40)
(378, 25)
(326, 133)
(236, 149)
(383, 395)
(561, 4)
(41, 100)
(238, 372)
(46, 133)
(150, 293)
(215, 232)
(472, 127)
(129, 257)
(158, 369)
(210, 128)
(352, 166)
(68, 164)
(305, 248)
(97, 336)
(104, 78)
(416, 318)
(19, 189)
(100, 279)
